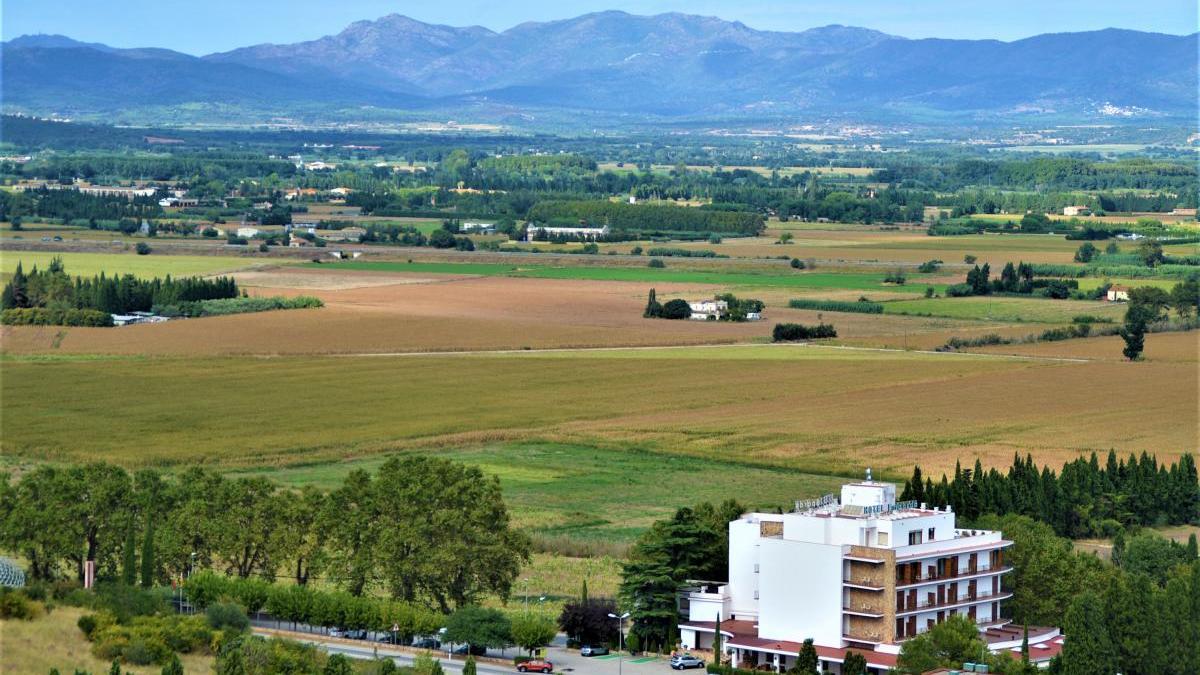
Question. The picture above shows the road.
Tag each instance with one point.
(564, 661)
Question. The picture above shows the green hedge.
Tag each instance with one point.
(43, 316)
(789, 332)
(859, 306)
(238, 306)
(684, 253)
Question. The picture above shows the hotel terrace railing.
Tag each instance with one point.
(923, 605)
(903, 581)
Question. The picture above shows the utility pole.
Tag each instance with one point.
(621, 639)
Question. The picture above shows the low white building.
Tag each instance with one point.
(1076, 211)
(1118, 293)
(532, 233)
(247, 232)
(708, 310)
(478, 228)
(861, 572)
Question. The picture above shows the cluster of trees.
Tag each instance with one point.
(67, 204)
(1046, 174)
(1148, 306)
(692, 544)
(1086, 498)
(52, 288)
(672, 309)
(373, 533)
(791, 332)
(1139, 615)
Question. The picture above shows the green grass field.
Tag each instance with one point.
(1005, 309)
(145, 266)
(823, 280)
(603, 494)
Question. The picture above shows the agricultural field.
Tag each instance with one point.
(143, 266)
(1006, 309)
(814, 409)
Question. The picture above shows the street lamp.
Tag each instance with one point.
(621, 638)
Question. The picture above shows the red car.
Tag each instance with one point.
(536, 666)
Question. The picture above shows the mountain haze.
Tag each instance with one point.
(668, 66)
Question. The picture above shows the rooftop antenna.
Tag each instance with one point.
(868, 474)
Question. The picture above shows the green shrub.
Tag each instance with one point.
(143, 650)
(87, 624)
(227, 615)
(861, 307)
(676, 309)
(656, 263)
(930, 266)
(16, 605)
(142, 248)
(797, 264)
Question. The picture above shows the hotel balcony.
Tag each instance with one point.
(950, 603)
(917, 580)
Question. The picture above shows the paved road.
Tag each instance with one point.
(564, 661)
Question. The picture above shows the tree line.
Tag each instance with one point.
(1086, 498)
(620, 216)
(377, 532)
(52, 288)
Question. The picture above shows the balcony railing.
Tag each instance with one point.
(962, 574)
(924, 605)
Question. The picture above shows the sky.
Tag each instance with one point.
(205, 26)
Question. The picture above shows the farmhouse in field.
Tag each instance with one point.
(708, 310)
(861, 572)
(1076, 211)
(296, 241)
(1118, 293)
(582, 233)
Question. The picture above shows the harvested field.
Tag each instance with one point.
(1180, 348)
(822, 410)
(374, 312)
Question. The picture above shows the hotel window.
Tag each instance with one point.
(914, 537)
(883, 538)
(930, 534)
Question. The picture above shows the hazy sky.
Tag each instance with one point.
(203, 26)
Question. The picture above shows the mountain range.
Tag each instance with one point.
(668, 66)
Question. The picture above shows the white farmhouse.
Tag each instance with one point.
(862, 572)
(708, 310)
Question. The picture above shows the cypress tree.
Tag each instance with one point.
(583, 594)
(717, 641)
(1088, 649)
(129, 553)
(148, 555)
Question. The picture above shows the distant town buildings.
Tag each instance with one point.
(861, 571)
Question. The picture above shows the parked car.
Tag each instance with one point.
(536, 666)
(337, 632)
(356, 634)
(427, 643)
(589, 650)
(685, 661)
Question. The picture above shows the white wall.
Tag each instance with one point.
(743, 556)
(800, 591)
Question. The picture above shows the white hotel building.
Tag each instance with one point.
(862, 572)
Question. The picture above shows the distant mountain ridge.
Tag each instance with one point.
(669, 65)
